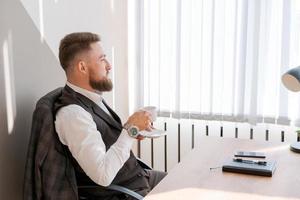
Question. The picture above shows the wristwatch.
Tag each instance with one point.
(133, 131)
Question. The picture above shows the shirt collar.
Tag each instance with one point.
(95, 97)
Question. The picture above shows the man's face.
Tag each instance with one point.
(99, 69)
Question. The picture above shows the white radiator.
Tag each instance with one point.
(183, 135)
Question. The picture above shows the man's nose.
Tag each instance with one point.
(108, 65)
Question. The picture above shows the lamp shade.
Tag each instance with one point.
(291, 79)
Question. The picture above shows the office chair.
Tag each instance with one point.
(46, 153)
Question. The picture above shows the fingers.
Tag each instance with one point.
(148, 128)
(141, 119)
(146, 113)
(140, 137)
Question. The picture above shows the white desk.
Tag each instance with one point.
(192, 178)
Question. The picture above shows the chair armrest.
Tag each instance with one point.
(113, 187)
(125, 191)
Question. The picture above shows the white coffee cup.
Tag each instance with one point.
(152, 110)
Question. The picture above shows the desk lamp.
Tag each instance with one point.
(291, 80)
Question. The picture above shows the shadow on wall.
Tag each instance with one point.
(28, 71)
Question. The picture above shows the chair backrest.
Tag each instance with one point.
(48, 173)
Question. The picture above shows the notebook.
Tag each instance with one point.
(254, 169)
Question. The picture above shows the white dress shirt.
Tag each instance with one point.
(76, 129)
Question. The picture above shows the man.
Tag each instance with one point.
(98, 143)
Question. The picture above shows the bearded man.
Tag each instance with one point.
(98, 143)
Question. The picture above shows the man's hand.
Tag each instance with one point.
(141, 119)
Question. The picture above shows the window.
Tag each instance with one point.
(216, 59)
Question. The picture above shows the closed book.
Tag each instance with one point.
(249, 168)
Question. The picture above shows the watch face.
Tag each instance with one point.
(133, 131)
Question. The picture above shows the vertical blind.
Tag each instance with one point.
(218, 59)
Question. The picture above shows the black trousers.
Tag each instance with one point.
(152, 177)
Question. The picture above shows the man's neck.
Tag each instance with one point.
(82, 85)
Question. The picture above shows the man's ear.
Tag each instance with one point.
(82, 67)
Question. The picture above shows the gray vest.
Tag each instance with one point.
(131, 175)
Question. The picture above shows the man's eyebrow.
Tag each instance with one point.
(102, 56)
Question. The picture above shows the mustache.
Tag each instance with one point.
(108, 75)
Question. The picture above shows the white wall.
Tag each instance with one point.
(29, 67)
(108, 18)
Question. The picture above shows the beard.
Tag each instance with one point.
(104, 85)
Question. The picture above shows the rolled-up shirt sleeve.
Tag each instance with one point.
(77, 130)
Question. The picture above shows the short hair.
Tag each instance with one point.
(75, 43)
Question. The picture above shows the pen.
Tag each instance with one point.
(258, 162)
